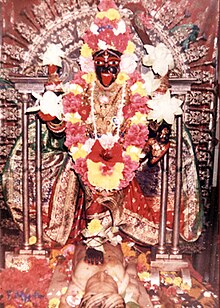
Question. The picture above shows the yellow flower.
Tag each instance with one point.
(54, 302)
(177, 281)
(144, 276)
(53, 257)
(86, 51)
(78, 152)
(100, 15)
(127, 250)
(73, 117)
(105, 181)
(75, 89)
(142, 260)
(122, 78)
(111, 14)
(32, 240)
(139, 118)
(94, 226)
(28, 305)
(168, 280)
(138, 88)
(63, 290)
(90, 77)
(134, 152)
(184, 286)
(130, 48)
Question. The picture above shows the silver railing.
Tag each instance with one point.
(26, 86)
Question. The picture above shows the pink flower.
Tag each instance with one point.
(136, 135)
(136, 76)
(107, 4)
(91, 40)
(79, 80)
(71, 102)
(128, 172)
(81, 168)
(137, 103)
(75, 133)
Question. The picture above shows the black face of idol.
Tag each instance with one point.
(107, 66)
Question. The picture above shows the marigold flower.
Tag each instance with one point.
(54, 302)
(130, 48)
(177, 281)
(139, 118)
(86, 51)
(122, 78)
(75, 89)
(144, 276)
(78, 152)
(32, 240)
(73, 117)
(111, 14)
(90, 77)
(94, 227)
(168, 280)
(28, 305)
(127, 250)
(133, 152)
(138, 88)
(184, 286)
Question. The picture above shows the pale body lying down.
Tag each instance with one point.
(104, 285)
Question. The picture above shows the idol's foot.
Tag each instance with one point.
(94, 256)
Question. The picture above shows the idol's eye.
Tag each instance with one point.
(113, 62)
(99, 63)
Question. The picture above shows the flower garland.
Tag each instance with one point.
(108, 160)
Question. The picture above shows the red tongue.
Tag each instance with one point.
(106, 79)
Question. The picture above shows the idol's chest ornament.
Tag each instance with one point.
(107, 109)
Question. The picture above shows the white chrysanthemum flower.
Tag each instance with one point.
(86, 64)
(53, 55)
(159, 58)
(49, 103)
(151, 84)
(128, 63)
(107, 141)
(121, 28)
(164, 107)
(94, 28)
(102, 45)
(87, 146)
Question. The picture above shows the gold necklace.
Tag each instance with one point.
(107, 115)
